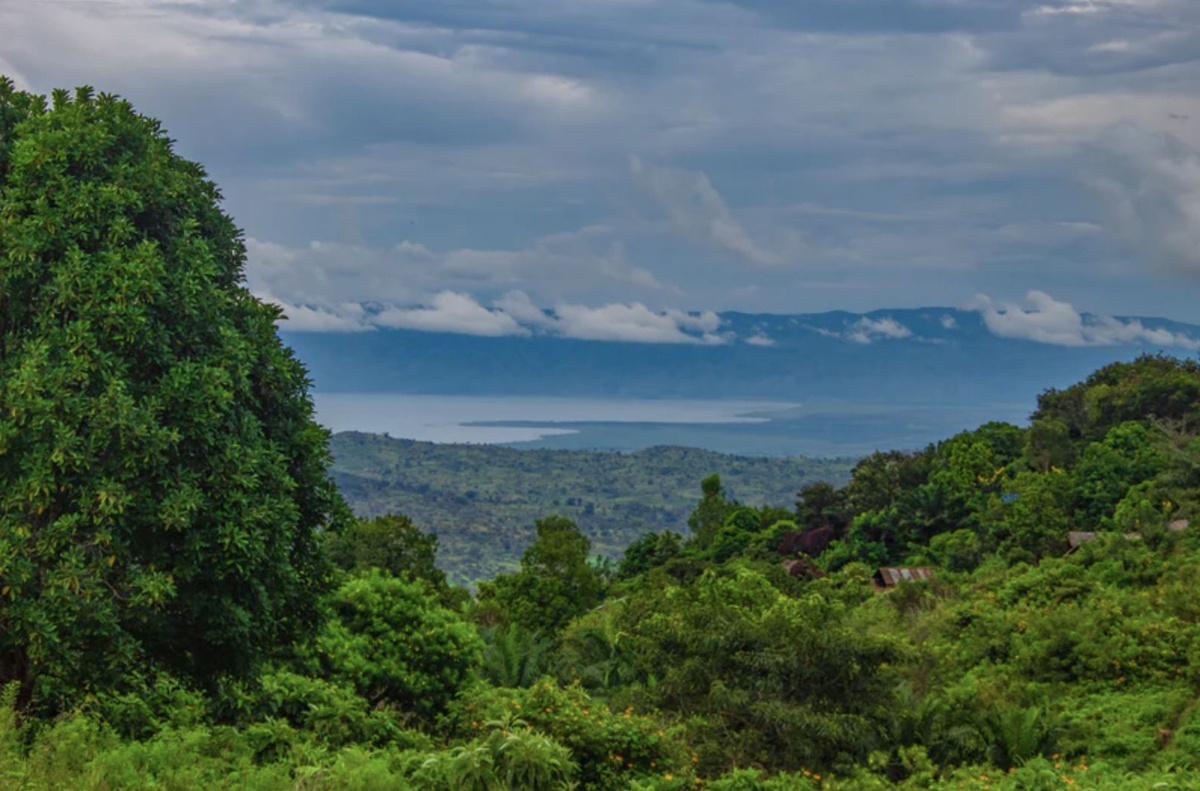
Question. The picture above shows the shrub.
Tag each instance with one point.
(609, 747)
(397, 646)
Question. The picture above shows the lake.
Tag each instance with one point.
(772, 428)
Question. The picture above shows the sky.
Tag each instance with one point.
(461, 164)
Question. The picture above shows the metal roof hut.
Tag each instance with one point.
(803, 567)
(1078, 537)
(890, 577)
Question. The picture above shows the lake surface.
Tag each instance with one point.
(773, 428)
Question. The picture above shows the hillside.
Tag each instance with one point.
(482, 500)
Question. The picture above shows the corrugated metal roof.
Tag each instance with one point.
(1077, 537)
(802, 567)
(890, 575)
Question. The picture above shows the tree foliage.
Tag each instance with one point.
(772, 679)
(711, 512)
(393, 641)
(390, 543)
(163, 479)
(1147, 389)
(555, 584)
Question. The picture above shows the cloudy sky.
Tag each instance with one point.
(464, 161)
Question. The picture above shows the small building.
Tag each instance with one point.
(803, 567)
(890, 577)
(1077, 537)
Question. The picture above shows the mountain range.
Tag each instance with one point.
(924, 355)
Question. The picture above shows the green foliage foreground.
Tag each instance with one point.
(184, 603)
(1020, 666)
(164, 483)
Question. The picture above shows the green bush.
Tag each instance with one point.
(510, 756)
(331, 712)
(610, 748)
(397, 645)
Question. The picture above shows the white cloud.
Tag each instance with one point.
(633, 322)
(1071, 8)
(1149, 185)
(866, 330)
(1049, 321)
(518, 305)
(706, 322)
(949, 322)
(557, 267)
(8, 70)
(760, 340)
(449, 311)
(349, 317)
(329, 273)
(697, 210)
(513, 314)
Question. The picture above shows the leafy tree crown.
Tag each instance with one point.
(163, 479)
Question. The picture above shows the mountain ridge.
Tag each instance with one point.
(483, 500)
(933, 354)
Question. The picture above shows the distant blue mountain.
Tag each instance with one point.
(926, 355)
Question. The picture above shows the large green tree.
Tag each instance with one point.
(759, 677)
(711, 512)
(162, 482)
(555, 584)
(397, 645)
(390, 543)
(1148, 389)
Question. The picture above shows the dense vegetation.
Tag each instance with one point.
(185, 603)
(163, 481)
(482, 500)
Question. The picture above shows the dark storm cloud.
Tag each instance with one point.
(890, 16)
(1149, 186)
(1072, 37)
